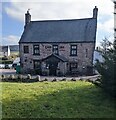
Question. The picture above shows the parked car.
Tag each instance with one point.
(8, 66)
(2, 66)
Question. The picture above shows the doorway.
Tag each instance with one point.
(53, 68)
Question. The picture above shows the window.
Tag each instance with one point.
(37, 67)
(55, 49)
(36, 64)
(73, 51)
(36, 50)
(26, 49)
(73, 66)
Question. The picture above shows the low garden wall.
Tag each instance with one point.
(28, 78)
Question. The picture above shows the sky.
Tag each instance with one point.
(13, 16)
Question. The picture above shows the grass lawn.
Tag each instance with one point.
(64, 99)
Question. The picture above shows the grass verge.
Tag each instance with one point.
(55, 100)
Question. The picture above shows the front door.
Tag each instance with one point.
(53, 68)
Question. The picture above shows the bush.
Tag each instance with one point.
(28, 76)
(38, 78)
(64, 79)
(45, 79)
(45, 73)
(20, 77)
(106, 69)
(38, 71)
(73, 79)
(11, 77)
(6, 61)
(4, 58)
(60, 74)
(3, 77)
(54, 80)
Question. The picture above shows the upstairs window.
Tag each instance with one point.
(36, 50)
(73, 50)
(55, 49)
(26, 49)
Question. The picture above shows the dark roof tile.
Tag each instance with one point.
(77, 30)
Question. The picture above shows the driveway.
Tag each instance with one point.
(7, 71)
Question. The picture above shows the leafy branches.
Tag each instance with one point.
(107, 67)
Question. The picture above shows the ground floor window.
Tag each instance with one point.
(37, 67)
(36, 64)
(73, 66)
(26, 49)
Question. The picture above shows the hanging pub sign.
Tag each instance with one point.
(48, 47)
(61, 48)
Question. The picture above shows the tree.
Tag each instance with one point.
(107, 67)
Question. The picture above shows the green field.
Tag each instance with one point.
(66, 99)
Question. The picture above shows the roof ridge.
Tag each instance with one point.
(62, 20)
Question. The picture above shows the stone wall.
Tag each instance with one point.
(82, 58)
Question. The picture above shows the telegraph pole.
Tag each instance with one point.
(114, 20)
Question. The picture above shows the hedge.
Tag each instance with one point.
(6, 62)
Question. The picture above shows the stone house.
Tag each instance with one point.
(9, 50)
(4, 51)
(58, 47)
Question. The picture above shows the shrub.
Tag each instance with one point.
(45, 79)
(107, 68)
(20, 77)
(6, 61)
(3, 77)
(80, 79)
(54, 80)
(11, 77)
(73, 79)
(60, 74)
(45, 73)
(64, 79)
(4, 58)
(38, 78)
(37, 71)
(28, 76)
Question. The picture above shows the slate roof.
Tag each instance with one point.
(76, 30)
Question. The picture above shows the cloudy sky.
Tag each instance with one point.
(13, 11)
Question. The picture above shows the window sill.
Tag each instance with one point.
(26, 53)
(73, 55)
(36, 54)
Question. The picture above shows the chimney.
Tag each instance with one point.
(27, 18)
(95, 11)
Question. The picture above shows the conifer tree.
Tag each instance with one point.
(107, 68)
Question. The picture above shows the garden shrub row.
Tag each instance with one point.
(29, 78)
(6, 61)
